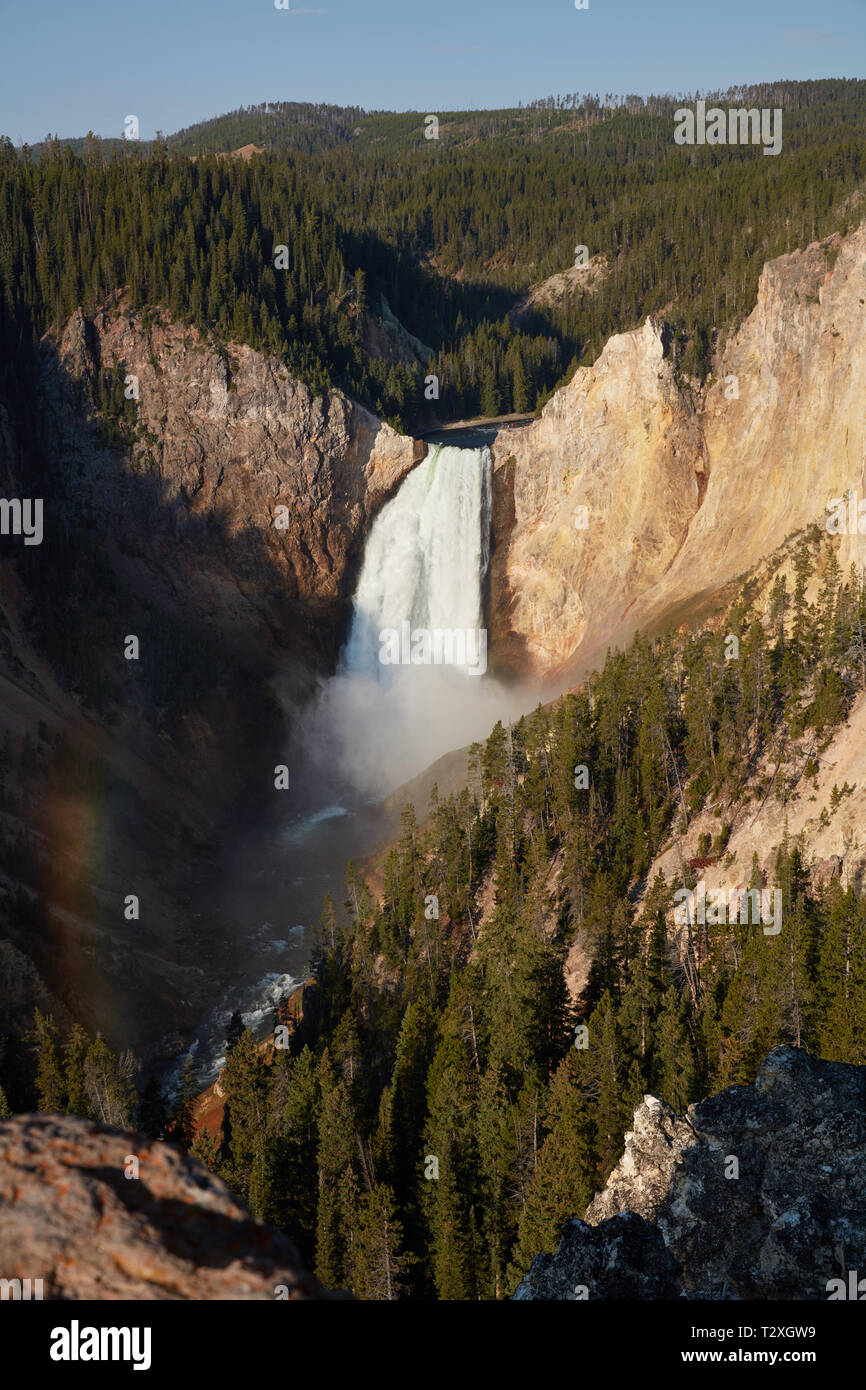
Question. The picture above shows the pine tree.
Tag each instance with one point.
(205, 1147)
(674, 1070)
(244, 1083)
(74, 1071)
(50, 1088)
(380, 1263)
(448, 1198)
(841, 980)
(519, 393)
(180, 1128)
(152, 1111)
(408, 1105)
(490, 400)
(234, 1032)
(603, 1064)
(562, 1181)
(497, 1136)
(108, 1083)
(338, 1185)
(294, 1193)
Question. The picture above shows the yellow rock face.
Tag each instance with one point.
(630, 495)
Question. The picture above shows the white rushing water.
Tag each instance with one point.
(426, 558)
(411, 682)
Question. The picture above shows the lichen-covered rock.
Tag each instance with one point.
(757, 1192)
(71, 1217)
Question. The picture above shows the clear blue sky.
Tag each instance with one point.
(72, 65)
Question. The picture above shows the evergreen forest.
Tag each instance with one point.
(452, 233)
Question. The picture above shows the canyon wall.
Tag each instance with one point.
(599, 493)
(633, 494)
(223, 441)
(225, 520)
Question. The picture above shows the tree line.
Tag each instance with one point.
(452, 231)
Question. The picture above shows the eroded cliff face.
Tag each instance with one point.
(784, 423)
(680, 494)
(243, 494)
(601, 490)
(832, 827)
(756, 1192)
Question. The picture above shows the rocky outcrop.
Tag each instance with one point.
(565, 285)
(756, 1192)
(73, 1217)
(624, 1258)
(630, 496)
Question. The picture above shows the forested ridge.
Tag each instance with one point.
(439, 1124)
(452, 231)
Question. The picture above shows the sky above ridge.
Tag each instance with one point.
(69, 68)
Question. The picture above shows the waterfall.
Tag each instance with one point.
(404, 692)
(425, 560)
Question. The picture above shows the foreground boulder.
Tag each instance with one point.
(622, 1258)
(757, 1192)
(70, 1217)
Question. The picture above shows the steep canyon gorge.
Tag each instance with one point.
(225, 524)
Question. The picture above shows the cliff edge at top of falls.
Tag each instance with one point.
(632, 494)
(71, 1217)
(757, 1192)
